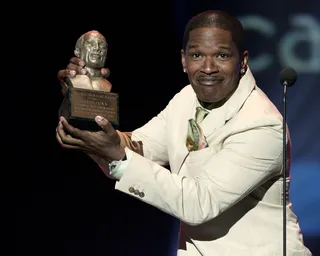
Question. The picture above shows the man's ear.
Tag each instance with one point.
(183, 61)
(244, 62)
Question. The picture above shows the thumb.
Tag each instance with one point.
(105, 72)
(103, 123)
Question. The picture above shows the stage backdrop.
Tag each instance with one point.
(64, 204)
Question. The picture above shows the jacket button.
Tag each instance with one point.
(136, 192)
(131, 189)
(141, 194)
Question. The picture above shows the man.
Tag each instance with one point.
(91, 47)
(221, 136)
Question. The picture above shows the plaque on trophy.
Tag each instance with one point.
(89, 95)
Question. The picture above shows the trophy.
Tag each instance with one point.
(89, 95)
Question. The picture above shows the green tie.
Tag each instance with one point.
(196, 139)
(201, 113)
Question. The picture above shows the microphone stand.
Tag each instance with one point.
(284, 194)
(288, 77)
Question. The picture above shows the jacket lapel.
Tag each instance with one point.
(214, 120)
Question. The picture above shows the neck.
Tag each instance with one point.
(211, 105)
(93, 72)
(218, 104)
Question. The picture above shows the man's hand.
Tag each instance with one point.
(104, 143)
(76, 66)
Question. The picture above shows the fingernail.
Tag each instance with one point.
(99, 118)
(83, 71)
(72, 72)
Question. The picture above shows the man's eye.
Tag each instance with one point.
(196, 55)
(223, 55)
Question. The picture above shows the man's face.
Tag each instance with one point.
(213, 64)
(94, 50)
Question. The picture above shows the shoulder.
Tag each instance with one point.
(186, 94)
(258, 123)
(258, 108)
(257, 129)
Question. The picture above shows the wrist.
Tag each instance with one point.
(114, 166)
(118, 167)
(120, 156)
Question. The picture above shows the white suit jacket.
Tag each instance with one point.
(228, 196)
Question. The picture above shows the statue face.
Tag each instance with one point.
(93, 50)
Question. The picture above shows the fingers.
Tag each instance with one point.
(105, 72)
(105, 125)
(62, 144)
(65, 135)
(77, 61)
(69, 129)
(64, 73)
(78, 69)
(76, 66)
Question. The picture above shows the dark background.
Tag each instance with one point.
(63, 203)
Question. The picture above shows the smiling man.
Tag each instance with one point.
(214, 62)
(222, 137)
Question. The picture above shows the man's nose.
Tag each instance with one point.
(209, 66)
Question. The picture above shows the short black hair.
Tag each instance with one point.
(216, 19)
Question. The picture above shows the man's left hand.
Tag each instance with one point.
(104, 143)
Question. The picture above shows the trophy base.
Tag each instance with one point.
(81, 106)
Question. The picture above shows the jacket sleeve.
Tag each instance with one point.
(150, 140)
(246, 160)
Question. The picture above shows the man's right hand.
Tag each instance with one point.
(76, 66)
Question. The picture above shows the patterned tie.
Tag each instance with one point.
(196, 139)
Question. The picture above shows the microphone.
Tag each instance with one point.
(288, 77)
